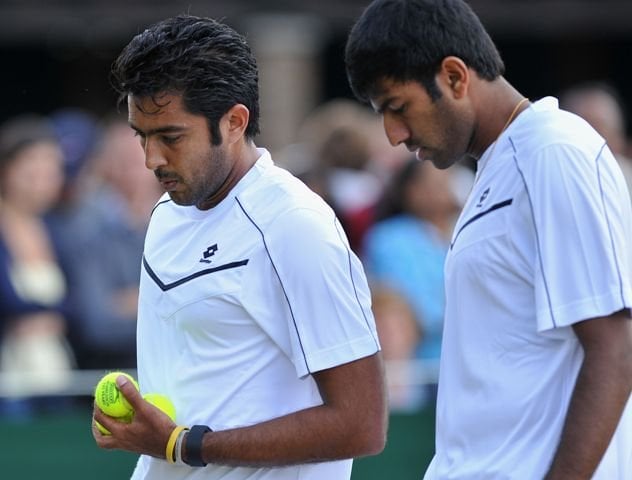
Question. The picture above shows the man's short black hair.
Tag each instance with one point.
(205, 61)
(406, 40)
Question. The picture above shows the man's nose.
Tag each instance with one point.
(396, 131)
(153, 156)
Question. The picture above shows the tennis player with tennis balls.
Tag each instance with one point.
(109, 399)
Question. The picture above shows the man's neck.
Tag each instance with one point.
(246, 156)
(497, 101)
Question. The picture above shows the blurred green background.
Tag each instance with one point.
(61, 447)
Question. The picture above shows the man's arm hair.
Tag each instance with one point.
(601, 392)
(351, 422)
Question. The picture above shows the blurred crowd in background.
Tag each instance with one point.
(75, 200)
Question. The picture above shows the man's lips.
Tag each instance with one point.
(419, 152)
(168, 182)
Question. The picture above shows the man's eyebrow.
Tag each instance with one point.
(159, 130)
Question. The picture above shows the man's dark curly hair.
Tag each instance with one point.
(205, 61)
(406, 40)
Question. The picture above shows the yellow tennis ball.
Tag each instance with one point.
(163, 403)
(110, 399)
(105, 431)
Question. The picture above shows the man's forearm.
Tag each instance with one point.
(600, 395)
(352, 422)
(312, 435)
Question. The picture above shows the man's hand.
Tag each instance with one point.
(351, 422)
(148, 431)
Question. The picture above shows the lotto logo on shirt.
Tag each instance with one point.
(209, 252)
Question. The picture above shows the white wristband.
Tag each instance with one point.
(178, 447)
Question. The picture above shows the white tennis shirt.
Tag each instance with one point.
(239, 304)
(543, 242)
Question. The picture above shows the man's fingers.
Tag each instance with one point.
(129, 391)
(105, 420)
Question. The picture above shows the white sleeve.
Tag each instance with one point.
(582, 228)
(326, 290)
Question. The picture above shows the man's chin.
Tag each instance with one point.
(442, 163)
(179, 199)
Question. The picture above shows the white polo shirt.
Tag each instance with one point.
(542, 243)
(239, 304)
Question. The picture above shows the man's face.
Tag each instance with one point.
(436, 130)
(178, 149)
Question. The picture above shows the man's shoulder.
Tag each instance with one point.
(278, 192)
(548, 126)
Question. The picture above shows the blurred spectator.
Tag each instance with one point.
(34, 355)
(338, 162)
(599, 104)
(103, 237)
(78, 132)
(353, 188)
(405, 249)
(399, 333)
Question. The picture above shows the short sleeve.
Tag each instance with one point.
(326, 289)
(582, 228)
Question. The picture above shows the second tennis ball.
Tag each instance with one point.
(163, 403)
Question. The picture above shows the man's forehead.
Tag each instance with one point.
(378, 89)
(154, 104)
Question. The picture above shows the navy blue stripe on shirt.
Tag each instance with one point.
(355, 290)
(537, 234)
(263, 239)
(168, 286)
(606, 210)
(496, 206)
(157, 205)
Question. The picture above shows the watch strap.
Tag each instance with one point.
(193, 445)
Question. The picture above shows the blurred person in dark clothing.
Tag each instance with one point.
(34, 355)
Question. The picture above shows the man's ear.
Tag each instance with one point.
(454, 76)
(234, 123)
